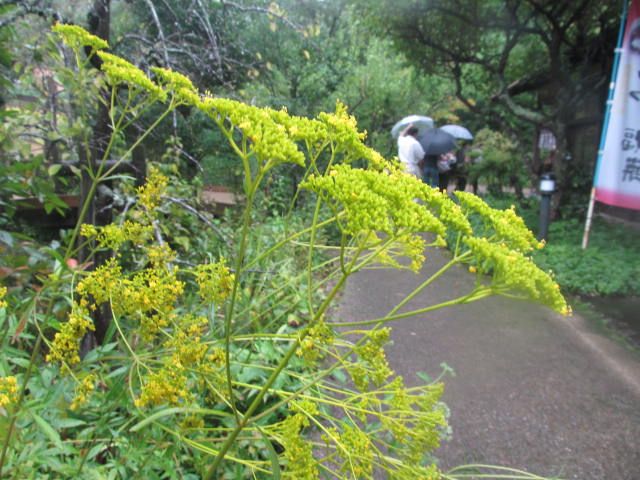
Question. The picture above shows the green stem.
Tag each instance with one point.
(476, 294)
(428, 282)
(251, 189)
(281, 366)
(281, 243)
(140, 139)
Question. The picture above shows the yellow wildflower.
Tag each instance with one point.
(3, 293)
(83, 390)
(8, 391)
(149, 194)
(119, 71)
(215, 281)
(513, 272)
(77, 37)
(297, 451)
(64, 348)
(166, 386)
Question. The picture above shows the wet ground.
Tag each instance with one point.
(532, 390)
(621, 315)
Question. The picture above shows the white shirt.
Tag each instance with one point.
(410, 153)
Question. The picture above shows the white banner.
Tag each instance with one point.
(617, 179)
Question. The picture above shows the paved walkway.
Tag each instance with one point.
(532, 390)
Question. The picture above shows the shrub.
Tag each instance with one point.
(213, 370)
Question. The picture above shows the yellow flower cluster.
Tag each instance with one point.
(372, 365)
(77, 37)
(376, 201)
(404, 246)
(342, 130)
(505, 225)
(269, 140)
(417, 420)
(150, 193)
(121, 72)
(301, 128)
(304, 406)
(215, 281)
(212, 373)
(83, 390)
(166, 386)
(359, 452)
(181, 86)
(448, 212)
(148, 296)
(297, 451)
(186, 343)
(170, 383)
(320, 335)
(160, 256)
(112, 236)
(64, 348)
(8, 391)
(512, 271)
(3, 293)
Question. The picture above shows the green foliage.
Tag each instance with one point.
(496, 161)
(518, 65)
(221, 358)
(608, 267)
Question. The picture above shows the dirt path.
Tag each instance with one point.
(532, 390)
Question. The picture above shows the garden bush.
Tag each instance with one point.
(227, 363)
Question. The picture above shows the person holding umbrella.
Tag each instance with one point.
(435, 142)
(410, 151)
(460, 170)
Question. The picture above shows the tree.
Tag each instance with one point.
(544, 62)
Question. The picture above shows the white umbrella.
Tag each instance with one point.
(422, 122)
(458, 131)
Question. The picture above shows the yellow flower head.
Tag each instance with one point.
(376, 201)
(181, 86)
(515, 273)
(77, 37)
(263, 127)
(119, 71)
(149, 194)
(8, 391)
(215, 281)
(83, 390)
(64, 348)
(3, 292)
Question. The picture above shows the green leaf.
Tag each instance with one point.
(70, 422)
(21, 362)
(47, 429)
(273, 456)
(54, 169)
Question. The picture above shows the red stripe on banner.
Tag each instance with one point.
(617, 199)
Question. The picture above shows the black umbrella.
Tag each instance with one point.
(435, 141)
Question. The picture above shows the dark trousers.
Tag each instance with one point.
(431, 176)
(443, 182)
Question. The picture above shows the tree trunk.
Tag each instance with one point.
(99, 25)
